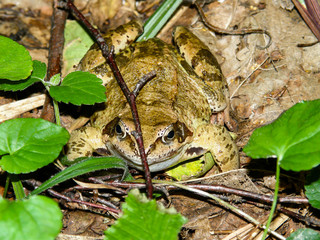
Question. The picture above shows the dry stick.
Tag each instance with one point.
(36, 183)
(219, 189)
(55, 54)
(130, 96)
(293, 215)
(307, 220)
(231, 32)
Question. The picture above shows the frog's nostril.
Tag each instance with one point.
(151, 148)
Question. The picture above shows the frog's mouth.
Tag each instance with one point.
(155, 163)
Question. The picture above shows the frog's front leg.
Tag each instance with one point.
(84, 142)
(216, 140)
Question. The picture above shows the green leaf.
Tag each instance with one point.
(313, 187)
(79, 88)
(294, 138)
(55, 80)
(77, 42)
(85, 166)
(15, 60)
(38, 74)
(28, 144)
(304, 234)
(145, 220)
(36, 218)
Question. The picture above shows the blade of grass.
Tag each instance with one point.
(80, 168)
(154, 24)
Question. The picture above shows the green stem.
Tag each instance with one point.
(55, 105)
(6, 187)
(275, 198)
(17, 186)
(56, 112)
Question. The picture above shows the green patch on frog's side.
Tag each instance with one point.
(192, 168)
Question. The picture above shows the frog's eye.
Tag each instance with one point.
(169, 135)
(120, 130)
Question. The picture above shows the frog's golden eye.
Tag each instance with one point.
(120, 130)
(169, 135)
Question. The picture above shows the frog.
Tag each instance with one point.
(175, 108)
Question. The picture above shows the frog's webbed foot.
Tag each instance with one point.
(217, 140)
(84, 142)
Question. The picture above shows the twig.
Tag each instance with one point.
(35, 183)
(14, 109)
(231, 32)
(230, 207)
(218, 189)
(55, 54)
(56, 194)
(130, 96)
(239, 86)
(307, 220)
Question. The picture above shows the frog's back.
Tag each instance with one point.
(175, 87)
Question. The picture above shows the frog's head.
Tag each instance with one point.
(165, 139)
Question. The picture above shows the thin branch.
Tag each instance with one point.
(55, 54)
(232, 32)
(218, 189)
(35, 184)
(130, 96)
(307, 220)
(140, 84)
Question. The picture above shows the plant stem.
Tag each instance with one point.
(17, 186)
(5, 191)
(56, 112)
(275, 198)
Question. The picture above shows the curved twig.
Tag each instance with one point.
(232, 32)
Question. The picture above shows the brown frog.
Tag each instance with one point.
(174, 108)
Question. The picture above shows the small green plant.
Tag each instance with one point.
(294, 139)
(154, 221)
